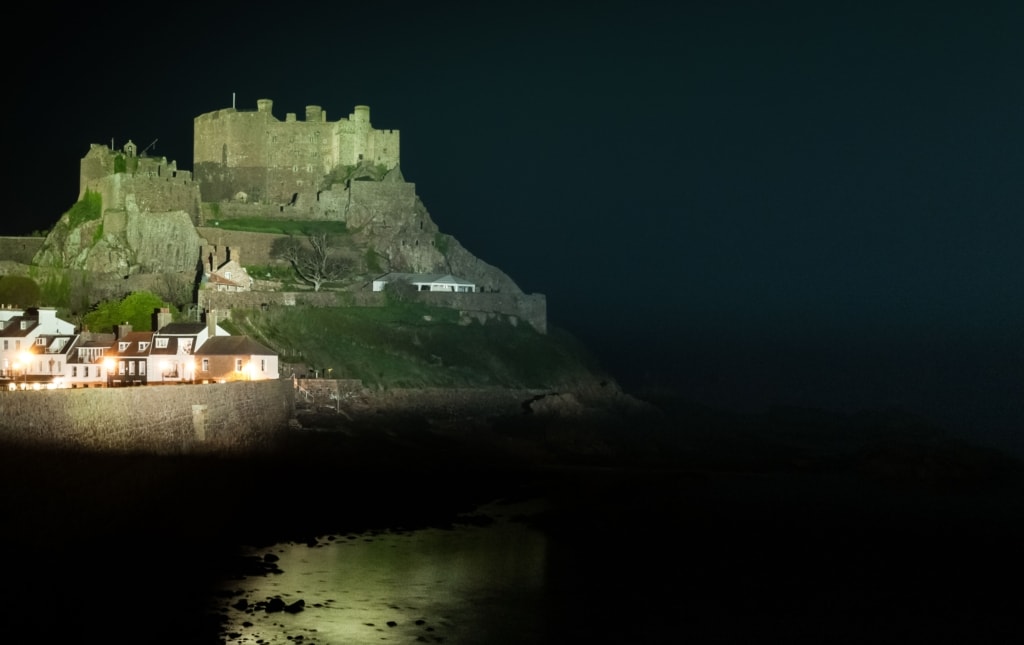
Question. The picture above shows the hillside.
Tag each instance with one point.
(408, 344)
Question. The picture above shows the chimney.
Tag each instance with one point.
(163, 318)
(123, 329)
(235, 255)
(211, 323)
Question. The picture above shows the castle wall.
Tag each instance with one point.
(271, 160)
(148, 193)
(20, 249)
(254, 247)
(531, 308)
(171, 419)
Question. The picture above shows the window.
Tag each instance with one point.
(143, 346)
(85, 371)
(5, 345)
(120, 368)
(161, 343)
(206, 365)
(238, 365)
(122, 346)
(142, 369)
(41, 342)
(74, 371)
(263, 365)
(131, 368)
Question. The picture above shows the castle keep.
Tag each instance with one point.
(252, 156)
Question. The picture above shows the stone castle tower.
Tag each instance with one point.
(252, 156)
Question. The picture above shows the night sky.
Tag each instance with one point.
(800, 203)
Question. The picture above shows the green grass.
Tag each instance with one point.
(282, 226)
(412, 345)
(89, 208)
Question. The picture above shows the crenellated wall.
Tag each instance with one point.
(271, 161)
(171, 419)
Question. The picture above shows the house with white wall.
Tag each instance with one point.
(20, 339)
(426, 282)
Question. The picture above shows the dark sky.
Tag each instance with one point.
(811, 203)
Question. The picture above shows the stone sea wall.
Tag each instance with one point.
(171, 419)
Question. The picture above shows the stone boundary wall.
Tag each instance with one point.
(253, 248)
(227, 300)
(529, 308)
(170, 419)
(20, 249)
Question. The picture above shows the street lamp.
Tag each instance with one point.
(108, 365)
(26, 360)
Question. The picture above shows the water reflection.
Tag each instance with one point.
(470, 584)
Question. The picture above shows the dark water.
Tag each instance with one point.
(732, 541)
(614, 556)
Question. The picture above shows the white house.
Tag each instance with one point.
(21, 332)
(426, 282)
(172, 356)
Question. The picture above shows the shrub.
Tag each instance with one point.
(89, 208)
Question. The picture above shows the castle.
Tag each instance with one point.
(253, 156)
(249, 164)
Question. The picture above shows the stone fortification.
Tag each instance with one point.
(228, 417)
(20, 249)
(263, 159)
(136, 184)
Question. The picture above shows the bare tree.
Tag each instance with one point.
(314, 263)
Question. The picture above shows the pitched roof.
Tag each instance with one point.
(182, 329)
(13, 327)
(134, 340)
(233, 346)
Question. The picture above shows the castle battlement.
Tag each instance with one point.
(155, 184)
(272, 161)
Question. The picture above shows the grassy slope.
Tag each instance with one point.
(412, 345)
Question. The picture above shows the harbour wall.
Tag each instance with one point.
(243, 416)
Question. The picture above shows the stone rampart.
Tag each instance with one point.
(253, 248)
(530, 308)
(226, 300)
(170, 419)
(20, 249)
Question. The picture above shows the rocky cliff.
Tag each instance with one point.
(390, 230)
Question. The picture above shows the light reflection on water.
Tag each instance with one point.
(470, 584)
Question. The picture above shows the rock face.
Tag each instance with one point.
(124, 243)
